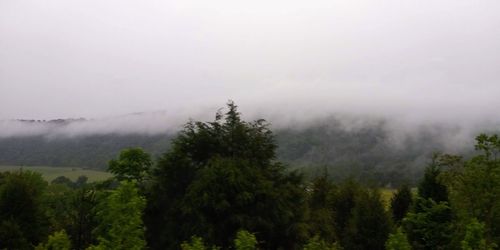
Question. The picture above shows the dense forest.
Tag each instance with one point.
(367, 152)
(220, 185)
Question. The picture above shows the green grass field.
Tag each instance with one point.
(50, 173)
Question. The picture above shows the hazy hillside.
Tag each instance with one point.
(370, 151)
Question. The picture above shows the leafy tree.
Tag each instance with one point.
(63, 180)
(475, 185)
(222, 176)
(196, 243)
(245, 241)
(57, 241)
(11, 236)
(369, 225)
(401, 203)
(121, 219)
(475, 237)
(430, 227)
(132, 164)
(81, 181)
(21, 204)
(58, 198)
(397, 241)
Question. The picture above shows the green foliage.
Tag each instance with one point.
(431, 186)
(475, 185)
(369, 225)
(397, 241)
(222, 176)
(245, 241)
(11, 236)
(132, 164)
(343, 204)
(196, 243)
(316, 243)
(83, 217)
(321, 211)
(430, 227)
(121, 225)
(475, 237)
(57, 198)
(21, 204)
(401, 203)
(57, 241)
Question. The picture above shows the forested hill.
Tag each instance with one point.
(370, 152)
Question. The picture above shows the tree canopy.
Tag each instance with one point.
(220, 177)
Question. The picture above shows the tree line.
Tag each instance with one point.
(219, 186)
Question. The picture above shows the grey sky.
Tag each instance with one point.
(98, 58)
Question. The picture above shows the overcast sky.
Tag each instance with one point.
(427, 59)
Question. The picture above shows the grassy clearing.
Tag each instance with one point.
(50, 173)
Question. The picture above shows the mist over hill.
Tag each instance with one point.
(380, 150)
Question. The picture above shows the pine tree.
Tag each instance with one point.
(369, 225)
(219, 177)
(401, 203)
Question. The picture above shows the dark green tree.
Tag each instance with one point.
(11, 236)
(369, 225)
(21, 204)
(431, 186)
(321, 211)
(431, 227)
(220, 177)
(132, 164)
(401, 203)
(343, 204)
(63, 180)
(83, 217)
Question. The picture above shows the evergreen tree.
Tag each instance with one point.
(219, 177)
(343, 204)
(431, 186)
(369, 225)
(321, 209)
(401, 203)
(431, 226)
